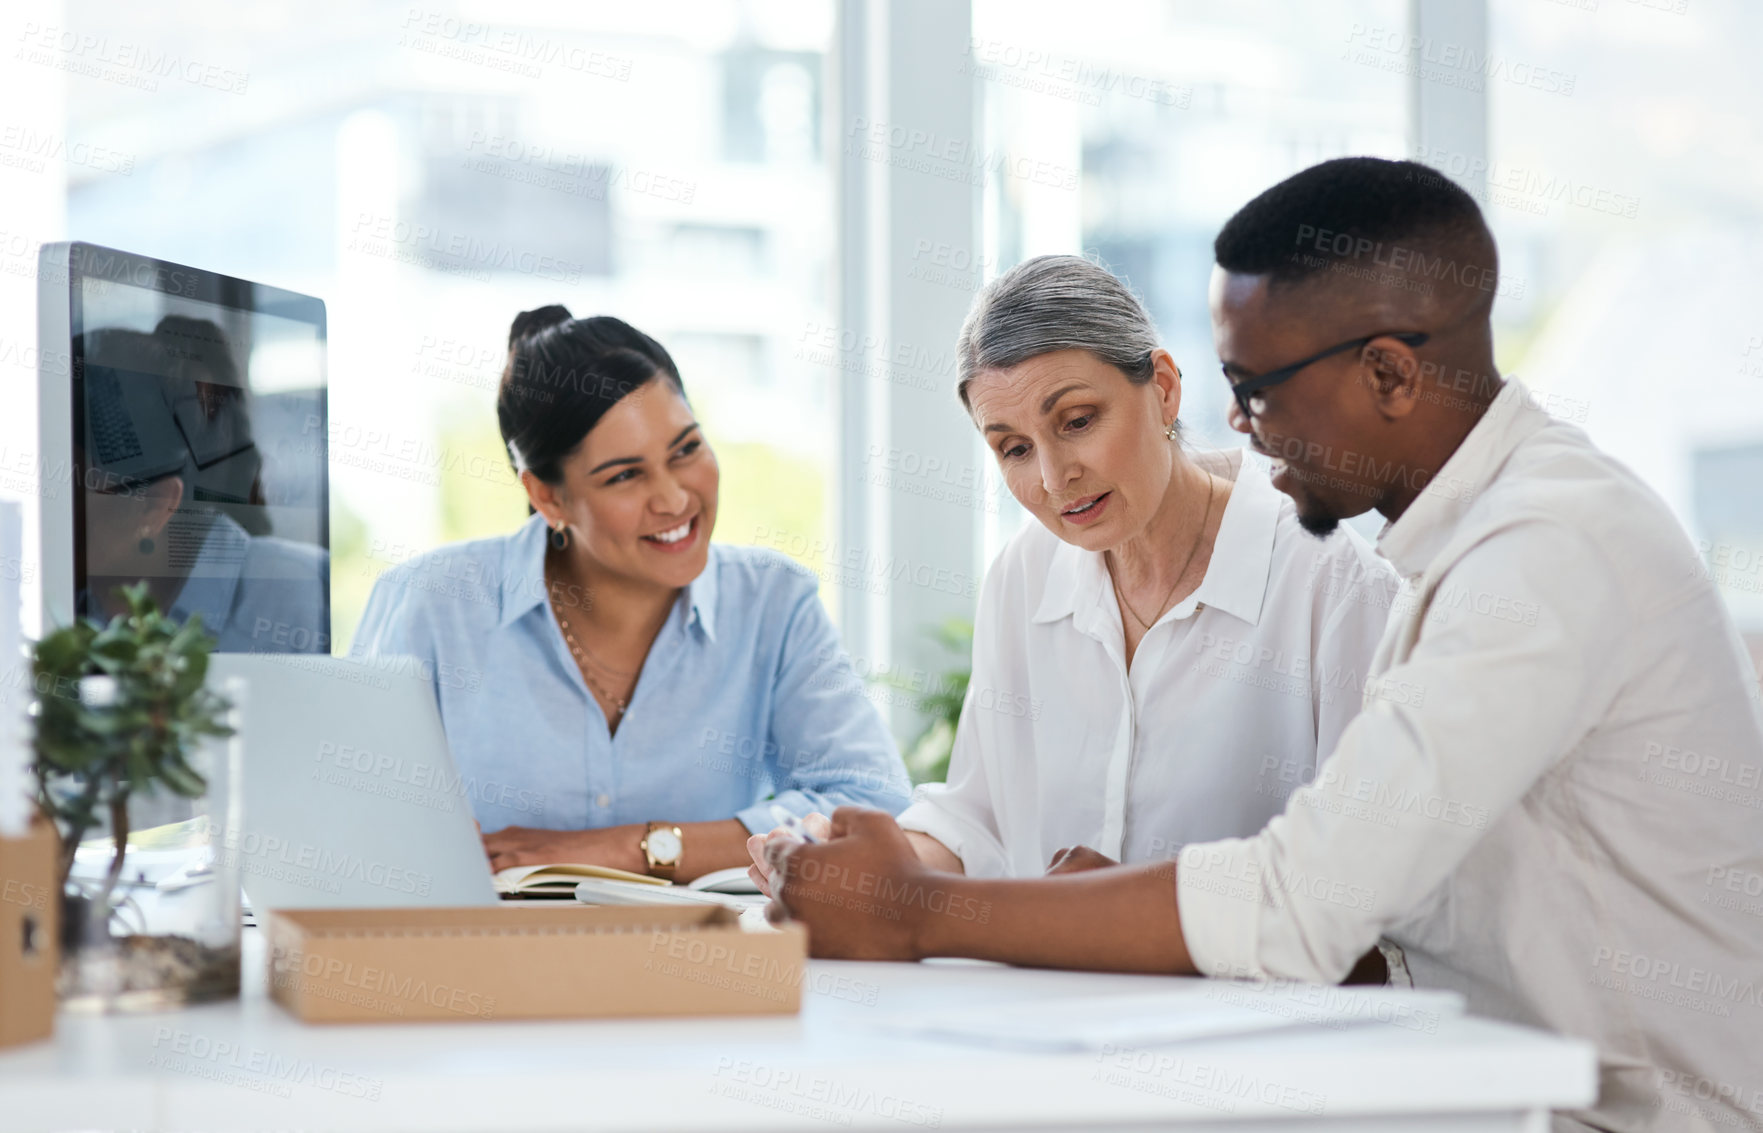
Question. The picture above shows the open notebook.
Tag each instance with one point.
(561, 879)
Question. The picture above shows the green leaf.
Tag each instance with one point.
(181, 777)
(87, 756)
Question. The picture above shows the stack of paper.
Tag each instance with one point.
(1203, 1009)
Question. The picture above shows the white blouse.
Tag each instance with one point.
(1230, 697)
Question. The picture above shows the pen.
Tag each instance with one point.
(791, 823)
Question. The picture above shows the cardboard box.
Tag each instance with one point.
(530, 961)
(30, 935)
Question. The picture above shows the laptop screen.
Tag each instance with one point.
(200, 454)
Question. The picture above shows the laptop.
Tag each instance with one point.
(351, 797)
(131, 433)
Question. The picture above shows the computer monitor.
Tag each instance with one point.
(183, 432)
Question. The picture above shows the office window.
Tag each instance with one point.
(1627, 197)
(1148, 124)
(431, 169)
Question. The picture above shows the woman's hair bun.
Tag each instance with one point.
(562, 376)
(529, 323)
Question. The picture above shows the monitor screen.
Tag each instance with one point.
(199, 452)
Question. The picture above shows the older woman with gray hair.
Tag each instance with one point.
(1161, 656)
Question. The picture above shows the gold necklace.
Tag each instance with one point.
(1198, 539)
(592, 656)
(580, 661)
(595, 658)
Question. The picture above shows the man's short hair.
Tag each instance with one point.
(1348, 209)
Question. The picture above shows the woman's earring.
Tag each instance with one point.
(560, 537)
(1173, 432)
(146, 543)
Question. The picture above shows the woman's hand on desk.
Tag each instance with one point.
(1078, 858)
(615, 846)
(819, 826)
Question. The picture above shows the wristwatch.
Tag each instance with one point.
(663, 845)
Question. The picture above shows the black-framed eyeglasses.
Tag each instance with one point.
(1247, 389)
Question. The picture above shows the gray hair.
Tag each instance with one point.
(1055, 303)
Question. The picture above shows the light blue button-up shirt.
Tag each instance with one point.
(746, 692)
(258, 594)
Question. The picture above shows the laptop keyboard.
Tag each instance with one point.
(113, 434)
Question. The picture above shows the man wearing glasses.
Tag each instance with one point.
(1562, 827)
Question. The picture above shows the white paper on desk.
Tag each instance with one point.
(608, 891)
(1207, 1009)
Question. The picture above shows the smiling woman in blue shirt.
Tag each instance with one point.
(627, 693)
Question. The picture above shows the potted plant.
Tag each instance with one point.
(125, 722)
(927, 755)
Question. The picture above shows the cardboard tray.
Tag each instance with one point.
(530, 961)
(30, 908)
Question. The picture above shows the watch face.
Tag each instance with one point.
(664, 845)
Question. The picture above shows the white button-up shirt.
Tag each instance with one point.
(1229, 698)
(1556, 804)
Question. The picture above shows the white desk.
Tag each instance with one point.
(827, 1068)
